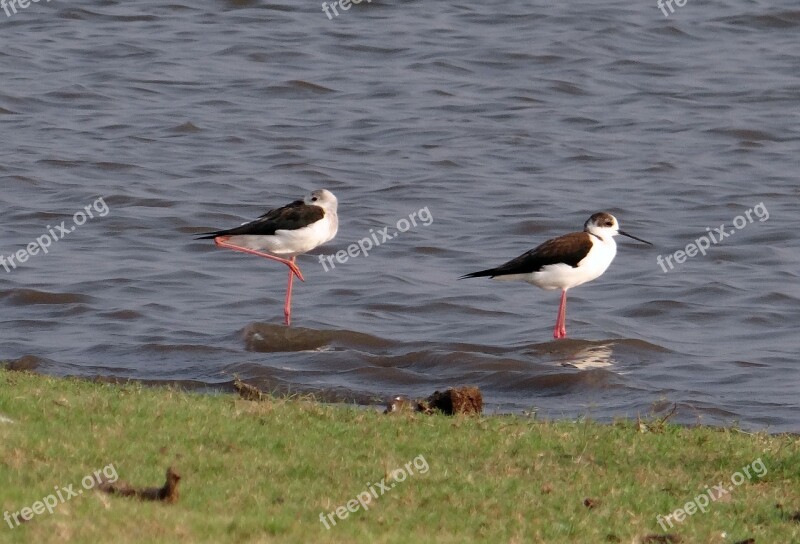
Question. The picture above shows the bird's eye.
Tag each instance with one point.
(609, 223)
(314, 199)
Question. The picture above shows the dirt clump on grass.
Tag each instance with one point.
(591, 503)
(167, 493)
(455, 400)
(247, 391)
(461, 400)
(403, 404)
(662, 539)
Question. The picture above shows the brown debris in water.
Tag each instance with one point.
(27, 363)
(458, 400)
(167, 493)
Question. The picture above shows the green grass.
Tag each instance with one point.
(264, 471)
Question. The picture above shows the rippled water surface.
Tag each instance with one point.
(509, 123)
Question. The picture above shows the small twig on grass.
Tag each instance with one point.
(669, 415)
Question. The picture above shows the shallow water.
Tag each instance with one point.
(509, 126)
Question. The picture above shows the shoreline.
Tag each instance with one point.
(334, 397)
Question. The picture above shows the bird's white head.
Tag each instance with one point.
(324, 199)
(605, 226)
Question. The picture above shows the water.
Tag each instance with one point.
(509, 123)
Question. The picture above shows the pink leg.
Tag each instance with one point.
(560, 330)
(287, 305)
(222, 241)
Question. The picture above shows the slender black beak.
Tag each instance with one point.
(634, 237)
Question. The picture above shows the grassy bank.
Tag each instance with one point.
(264, 471)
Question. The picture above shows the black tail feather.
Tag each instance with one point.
(207, 235)
(482, 274)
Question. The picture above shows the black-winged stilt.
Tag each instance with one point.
(284, 233)
(565, 262)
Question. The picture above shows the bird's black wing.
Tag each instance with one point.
(293, 216)
(568, 249)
